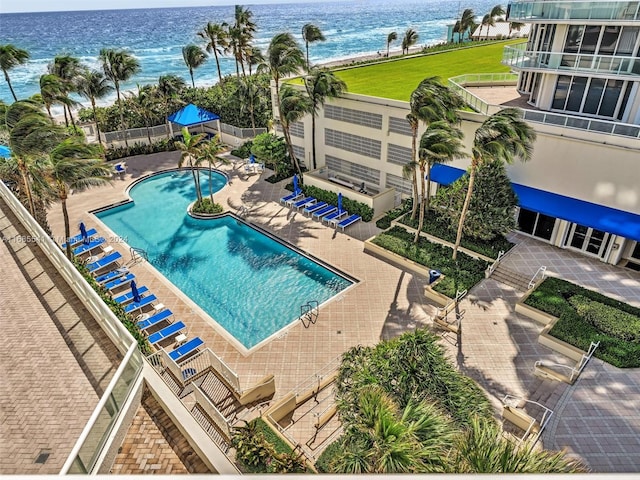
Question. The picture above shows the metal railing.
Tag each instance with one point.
(240, 132)
(458, 84)
(313, 381)
(93, 437)
(532, 10)
(207, 359)
(576, 370)
(212, 412)
(494, 265)
(162, 131)
(513, 401)
(541, 272)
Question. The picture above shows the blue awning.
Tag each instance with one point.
(589, 214)
(192, 115)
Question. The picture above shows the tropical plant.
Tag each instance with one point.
(208, 152)
(215, 37)
(503, 137)
(119, 66)
(517, 26)
(409, 39)
(311, 33)
(250, 95)
(496, 12)
(241, 34)
(144, 103)
(72, 165)
(93, 85)
(487, 21)
(321, 84)
(169, 89)
(194, 57)
(68, 69)
(441, 142)
(272, 150)
(467, 22)
(189, 151)
(254, 57)
(294, 104)
(391, 37)
(10, 57)
(51, 91)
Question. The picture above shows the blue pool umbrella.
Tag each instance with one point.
(340, 202)
(5, 152)
(296, 189)
(134, 291)
(252, 158)
(83, 233)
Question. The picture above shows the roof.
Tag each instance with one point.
(192, 115)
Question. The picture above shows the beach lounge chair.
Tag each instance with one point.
(87, 247)
(119, 282)
(291, 197)
(185, 350)
(104, 262)
(334, 216)
(304, 202)
(112, 275)
(128, 297)
(135, 306)
(120, 168)
(154, 319)
(167, 332)
(318, 214)
(78, 238)
(316, 206)
(348, 221)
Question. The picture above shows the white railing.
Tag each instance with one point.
(458, 84)
(162, 131)
(212, 412)
(541, 272)
(576, 370)
(494, 265)
(594, 10)
(91, 441)
(513, 401)
(207, 358)
(313, 381)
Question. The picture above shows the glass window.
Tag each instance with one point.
(527, 220)
(627, 40)
(544, 227)
(574, 37)
(590, 39)
(625, 99)
(609, 40)
(594, 94)
(560, 96)
(578, 87)
(610, 98)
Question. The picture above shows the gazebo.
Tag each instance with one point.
(191, 116)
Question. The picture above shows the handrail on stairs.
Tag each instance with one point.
(540, 272)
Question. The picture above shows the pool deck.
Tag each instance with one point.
(597, 419)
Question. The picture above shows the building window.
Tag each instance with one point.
(398, 155)
(300, 153)
(353, 143)
(367, 119)
(594, 96)
(358, 172)
(536, 224)
(562, 89)
(402, 185)
(400, 125)
(297, 129)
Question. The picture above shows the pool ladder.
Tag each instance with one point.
(137, 254)
(309, 313)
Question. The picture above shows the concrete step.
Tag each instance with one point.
(511, 278)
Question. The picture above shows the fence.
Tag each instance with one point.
(240, 132)
(92, 440)
(159, 131)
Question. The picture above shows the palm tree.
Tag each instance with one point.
(310, 34)
(10, 57)
(189, 150)
(68, 69)
(294, 105)
(51, 90)
(72, 165)
(119, 66)
(93, 86)
(321, 85)
(497, 12)
(242, 33)
(143, 104)
(209, 152)
(254, 57)
(193, 57)
(215, 36)
(249, 94)
(441, 142)
(467, 22)
(515, 26)
(392, 37)
(169, 88)
(410, 39)
(503, 137)
(487, 21)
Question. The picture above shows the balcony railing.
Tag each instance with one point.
(517, 56)
(536, 10)
(478, 104)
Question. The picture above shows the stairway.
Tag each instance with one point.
(509, 277)
(220, 395)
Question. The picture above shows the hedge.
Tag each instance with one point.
(609, 320)
(385, 221)
(206, 206)
(351, 206)
(140, 149)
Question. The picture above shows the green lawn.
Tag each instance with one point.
(399, 78)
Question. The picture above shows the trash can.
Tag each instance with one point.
(434, 275)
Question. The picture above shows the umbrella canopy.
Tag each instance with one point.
(252, 158)
(296, 189)
(5, 152)
(340, 202)
(134, 291)
(83, 233)
(192, 115)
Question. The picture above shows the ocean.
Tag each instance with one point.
(156, 36)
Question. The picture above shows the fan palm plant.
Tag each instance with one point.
(194, 57)
(215, 37)
(68, 69)
(503, 137)
(208, 152)
(242, 33)
(487, 21)
(294, 105)
(93, 85)
(321, 85)
(410, 38)
(311, 33)
(467, 22)
(51, 91)
(189, 150)
(169, 89)
(391, 37)
(253, 56)
(10, 57)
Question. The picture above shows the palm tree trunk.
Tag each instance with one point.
(73, 122)
(387, 49)
(287, 138)
(210, 184)
(67, 228)
(307, 45)
(66, 119)
(422, 204)
(124, 133)
(215, 53)
(253, 118)
(465, 208)
(193, 83)
(27, 188)
(48, 107)
(427, 200)
(6, 77)
(95, 119)
(414, 207)
(313, 137)
(244, 74)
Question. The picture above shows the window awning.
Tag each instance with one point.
(589, 214)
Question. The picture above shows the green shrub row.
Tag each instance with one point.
(243, 151)
(553, 296)
(351, 206)
(461, 274)
(438, 227)
(163, 145)
(385, 221)
(206, 206)
(609, 320)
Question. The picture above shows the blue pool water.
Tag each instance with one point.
(249, 283)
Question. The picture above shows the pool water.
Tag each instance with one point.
(249, 283)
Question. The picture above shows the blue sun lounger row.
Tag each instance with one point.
(135, 306)
(128, 297)
(119, 282)
(348, 221)
(305, 202)
(87, 247)
(332, 217)
(78, 238)
(318, 214)
(112, 275)
(287, 199)
(154, 319)
(314, 207)
(186, 349)
(104, 262)
(169, 331)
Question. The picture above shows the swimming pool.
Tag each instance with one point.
(251, 284)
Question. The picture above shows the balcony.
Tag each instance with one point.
(595, 11)
(519, 58)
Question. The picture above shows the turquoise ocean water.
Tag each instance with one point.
(156, 36)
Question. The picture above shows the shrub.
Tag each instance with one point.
(244, 150)
(206, 206)
(323, 464)
(351, 206)
(140, 149)
(608, 319)
(385, 222)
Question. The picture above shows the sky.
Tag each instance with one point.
(13, 6)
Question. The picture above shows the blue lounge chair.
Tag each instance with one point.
(318, 214)
(314, 207)
(186, 349)
(348, 221)
(112, 275)
(167, 332)
(291, 197)
(78, 238)
(135, 306)
(119, 282)
(333, 216)
(104, 262)
(304, 202)
(87, 247)
(128, 297)
(154, 320)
